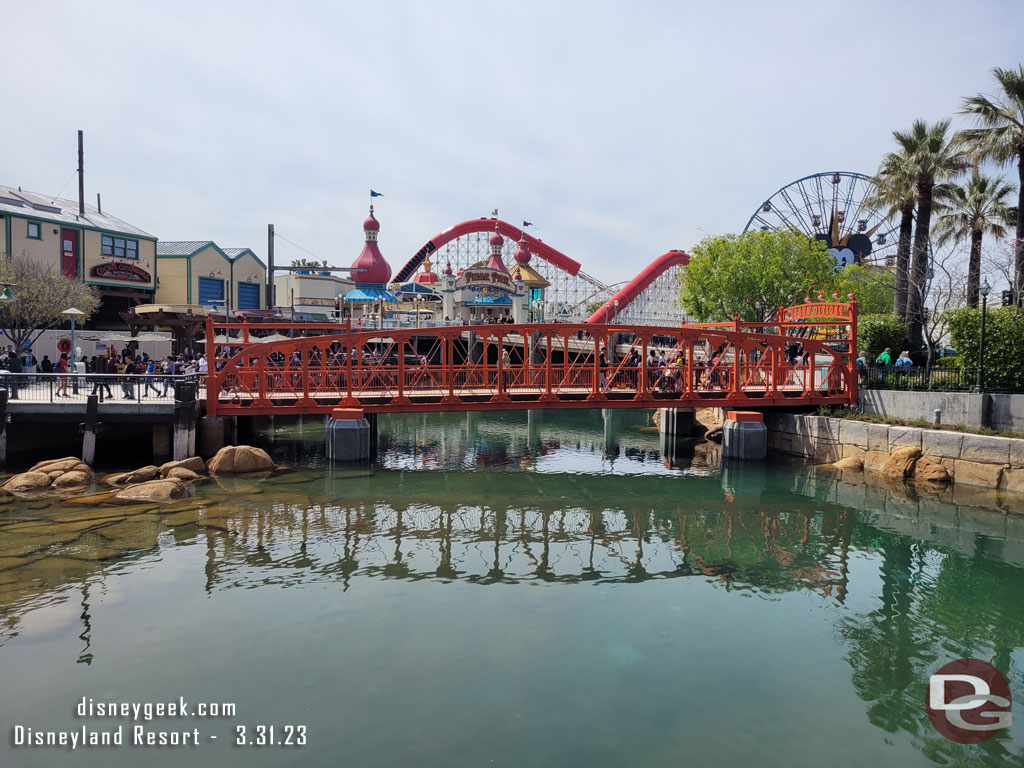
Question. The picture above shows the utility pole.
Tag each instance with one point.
(270, 266)
(81, 174)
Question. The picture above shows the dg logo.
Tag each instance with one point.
(969, 701)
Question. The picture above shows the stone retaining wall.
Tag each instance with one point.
(997, 411)
(978, 460)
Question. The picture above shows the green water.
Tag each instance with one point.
(513, 590)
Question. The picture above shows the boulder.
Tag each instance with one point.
(930, 471)
(240, 459)
(166, 489)
(61, 465)
(118, 478)
(74, 479)
(28, 481)
(854, 463)
(194, 464)
(142, 474)
(183, 474)
(901, 462)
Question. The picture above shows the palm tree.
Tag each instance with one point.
(1000, 137)
(933, 159)
(978, 209)
(896, 185)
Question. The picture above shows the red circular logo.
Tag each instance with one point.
(968, 701)
(64, 345)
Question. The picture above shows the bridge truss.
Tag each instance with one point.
(538, 365)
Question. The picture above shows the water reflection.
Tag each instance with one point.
(496, 500)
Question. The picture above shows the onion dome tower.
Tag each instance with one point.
(497, 241)
(426, 277)
(378, 271)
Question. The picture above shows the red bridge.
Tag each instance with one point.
(807, 357)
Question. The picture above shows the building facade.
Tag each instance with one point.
(84, 244)
(199, 272)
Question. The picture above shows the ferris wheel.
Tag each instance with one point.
(833, 207)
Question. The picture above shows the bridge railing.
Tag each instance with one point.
(525, 365)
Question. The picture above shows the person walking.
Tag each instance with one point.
(62, 381)
(99, 382)
(127, 382)
(151, 379)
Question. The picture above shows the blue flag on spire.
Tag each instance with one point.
(376, 194)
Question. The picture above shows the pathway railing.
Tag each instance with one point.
(66, 388)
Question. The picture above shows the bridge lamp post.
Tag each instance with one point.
(979, 385)
(607, 306)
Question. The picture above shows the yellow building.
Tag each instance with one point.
(201, 272)
(86, 244)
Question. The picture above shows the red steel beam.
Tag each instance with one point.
(639, 284)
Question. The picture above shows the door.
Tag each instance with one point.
(249, 295)
(211, 291)
(69, 252)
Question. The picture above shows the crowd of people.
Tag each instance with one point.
(157, 376)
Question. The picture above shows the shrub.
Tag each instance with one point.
(876, 332)
(1004, 344)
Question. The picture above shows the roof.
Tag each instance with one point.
(33, 205)
(236, 253)
(187, 248)
(181, 247)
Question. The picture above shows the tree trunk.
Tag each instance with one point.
(919, 268)
(974, 270)
(1018, 256)
(899, 299)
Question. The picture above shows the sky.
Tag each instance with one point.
(621, 129)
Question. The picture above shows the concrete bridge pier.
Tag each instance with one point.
(678, 422)
(3, 427)
(89, 429)
(744, 436)
(184, 441)
(347, 437)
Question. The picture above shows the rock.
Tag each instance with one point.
(930, 471)
(977, 473)
(183, 474)
(195, 464)
(239, 459)
(166, 489)
(73, 479)
(53, 474)
(901, 462)
(28, 481)
(854, 463)
(118, 478)
(142, 474)
(61, 465)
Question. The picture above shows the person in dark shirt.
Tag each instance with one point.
(46, 366)
(101, 368)
(128, 383)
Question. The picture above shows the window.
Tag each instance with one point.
(35, 230)
(120, 248)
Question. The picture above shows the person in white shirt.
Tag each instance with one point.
(203, 365)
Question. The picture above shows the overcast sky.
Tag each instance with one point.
(622, 129)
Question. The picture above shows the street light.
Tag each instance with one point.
(979, 386)
(73, 314)
(616, 307)
(607, 306)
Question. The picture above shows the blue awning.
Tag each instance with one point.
(502, 300)
(370, 293)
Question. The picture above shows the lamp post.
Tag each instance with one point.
(616, 307)
(607, 306)
(980, 385)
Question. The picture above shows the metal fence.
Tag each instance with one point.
(61, 388)
(920, 379)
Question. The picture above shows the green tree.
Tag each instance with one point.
(876, 332)
(1000, 137)
(933, 159)
(896, 184)
(871, 286)
(973, 211)
(40, 296)
(734, 274)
